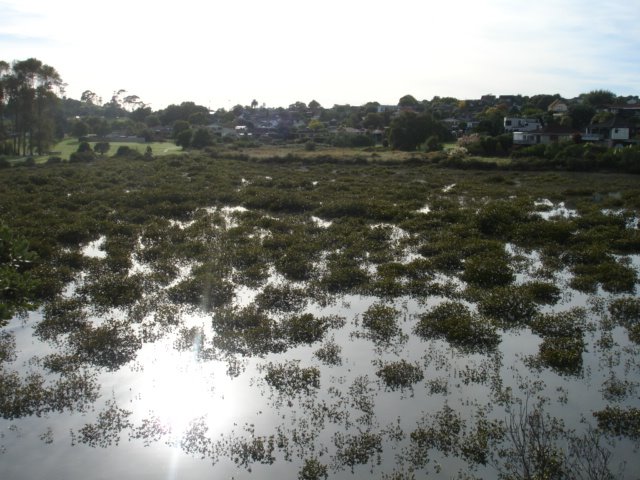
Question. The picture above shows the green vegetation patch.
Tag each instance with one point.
(620, 421)
(454, 322)
(400, 375)
(290, 379)
(381, 323)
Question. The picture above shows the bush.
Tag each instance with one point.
(487, 270)
(455, 323)
(82, 157)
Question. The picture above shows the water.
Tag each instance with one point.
(185, 407)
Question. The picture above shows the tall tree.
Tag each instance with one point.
(4, 70)
(599, 98)
(409, 130)
(31, 88)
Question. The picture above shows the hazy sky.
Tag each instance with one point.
(220, 54)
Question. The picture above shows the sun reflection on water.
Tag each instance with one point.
(178, 387)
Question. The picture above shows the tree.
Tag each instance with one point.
(183, 139)
(173, 112)
(199, 118)
(599, 98)
(581, 115)
(80, 129)
(314, 105)
(4, 69)
(408, 101)
(491, 121)
(254, 104)
(90, 98)
(315, 125)
(101, 148)
(179, 127)
(29, 89)
(373, 121)
(202, 138)
(409, 130)
(84, 147)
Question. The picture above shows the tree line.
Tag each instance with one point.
(34, 115)
(28, 98)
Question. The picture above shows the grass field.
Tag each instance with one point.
(69, 145)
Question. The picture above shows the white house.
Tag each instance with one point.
(558, 107)
(518, 124)
(613, 130)
(545, 135)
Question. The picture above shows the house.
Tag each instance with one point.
(558, 107)
(518, 124)
(613, 131)
(387, 108)
(545, 135)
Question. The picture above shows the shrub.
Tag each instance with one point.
(82, 157)
(487, 270)
(455, 323)
(400, 375)
(381, 321)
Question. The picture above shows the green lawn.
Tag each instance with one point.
(67, 146)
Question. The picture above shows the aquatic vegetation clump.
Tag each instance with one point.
(106, 430)
(290, 379)
(283, 298)
(357, 449)
(246, 331)
(61, 316)
(110, 345)
(33, 395)
(381, 322)
(452, 321)
(7, 347)
(510, 306)
(620, 421)
(303, 329)
(488, 269)
(313, 470)
(400, 375)
(329, 353)
(562, 339)
(626, 312)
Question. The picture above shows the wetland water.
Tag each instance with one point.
(276, 329)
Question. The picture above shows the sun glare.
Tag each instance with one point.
(178, 388)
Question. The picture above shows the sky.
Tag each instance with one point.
(223, 53)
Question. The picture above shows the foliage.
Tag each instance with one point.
(290, 379)
(620, 421)
(409, 130)
(313, 470)
(17, 283)
(486, 270)
(381, 321)
(30, 87)
(455, 323)
(400, 375)
(101, 147)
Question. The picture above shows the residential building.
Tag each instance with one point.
(519, 124)
(617, 130)
(545, 135)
